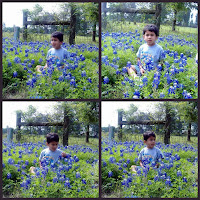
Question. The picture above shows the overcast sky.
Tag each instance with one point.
(109, 115)
(12, 12)
(10, 107)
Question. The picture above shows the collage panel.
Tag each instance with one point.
(50, 149)
(149, 149)
(79, 137)
(149, 50)
(50, 50)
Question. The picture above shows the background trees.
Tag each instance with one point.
(173, 14)
(82, 118)
(180, 117)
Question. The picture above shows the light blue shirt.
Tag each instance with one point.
(149, 155)
(57, 55)
(150, 54)
(50, 156)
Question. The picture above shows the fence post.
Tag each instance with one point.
(16, 33)
(72, 32)
(111, 132)
(18, 125)
(120, 124)
(66, 128)
(9, 134)
(167, 126)
(25, 16)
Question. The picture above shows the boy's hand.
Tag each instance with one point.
(63, 154)
(142, 70)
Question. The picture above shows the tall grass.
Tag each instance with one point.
(93, 142)
(42, 37)
(159, 138)
(164, 29)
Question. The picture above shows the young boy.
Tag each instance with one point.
(148, 53)
(57, 54)
(150, 154)
(51, 154)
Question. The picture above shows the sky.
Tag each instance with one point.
(12, 12)
(108, 111)
(109, 115)
(9, 108)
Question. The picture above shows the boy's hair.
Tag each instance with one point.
(58, 35)
(152, 28)
(52, 137)
(148, 134)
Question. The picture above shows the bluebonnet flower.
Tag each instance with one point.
(110, 174)
(83, 73)
(171, 90)
(89, 80)
(185, 179)
(124, 70)
(78, 175)
(15, 74)
(106, 80)
(179, 173)
(8, 175)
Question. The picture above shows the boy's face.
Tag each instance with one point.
(52, 145)
(56, 43)
(150, 142)
(150, 38)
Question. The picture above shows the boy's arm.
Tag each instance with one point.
(63, 154)
(40, 164)
(140, 66)
(141, 164)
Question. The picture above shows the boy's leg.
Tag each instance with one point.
(133, 168)
(132, 71)
(38, 68)
(32, 170)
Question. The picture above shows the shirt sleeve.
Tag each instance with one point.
(161, 54)
(66, 54)
(48, 53)
(159, 154)
(139, 52)
(140, 155)
(41, 155)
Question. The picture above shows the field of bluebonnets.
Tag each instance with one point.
(78, 79)
(177, 176)
(177, 78)
(75, 176)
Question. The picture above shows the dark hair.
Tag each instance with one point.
(152, 28)
(58, 35)
(148, 134)
(52, 137)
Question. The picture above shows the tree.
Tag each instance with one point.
(91, 14)
(188, 112)
(88, 114)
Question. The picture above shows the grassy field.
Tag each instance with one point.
(93, 142)
(164, 29)
(43, 37)
(159, 138)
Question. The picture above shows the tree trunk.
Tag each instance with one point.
(158, 15)
(72, 33)
(94, 32)
(66, 128)
(189, 131)
(87, 134)
(167, 126)
(104, 21)
(174, 21)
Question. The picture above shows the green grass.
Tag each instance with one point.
(164, 29)
(93, 142)
(159, 138)
(42, 37)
